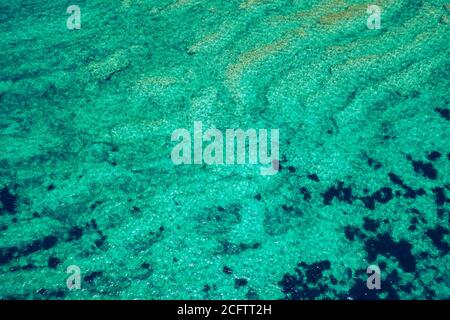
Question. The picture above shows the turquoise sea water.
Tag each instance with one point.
(86, 176)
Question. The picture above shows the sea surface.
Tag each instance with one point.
(88, 187)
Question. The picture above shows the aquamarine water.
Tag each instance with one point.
(87, 180)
